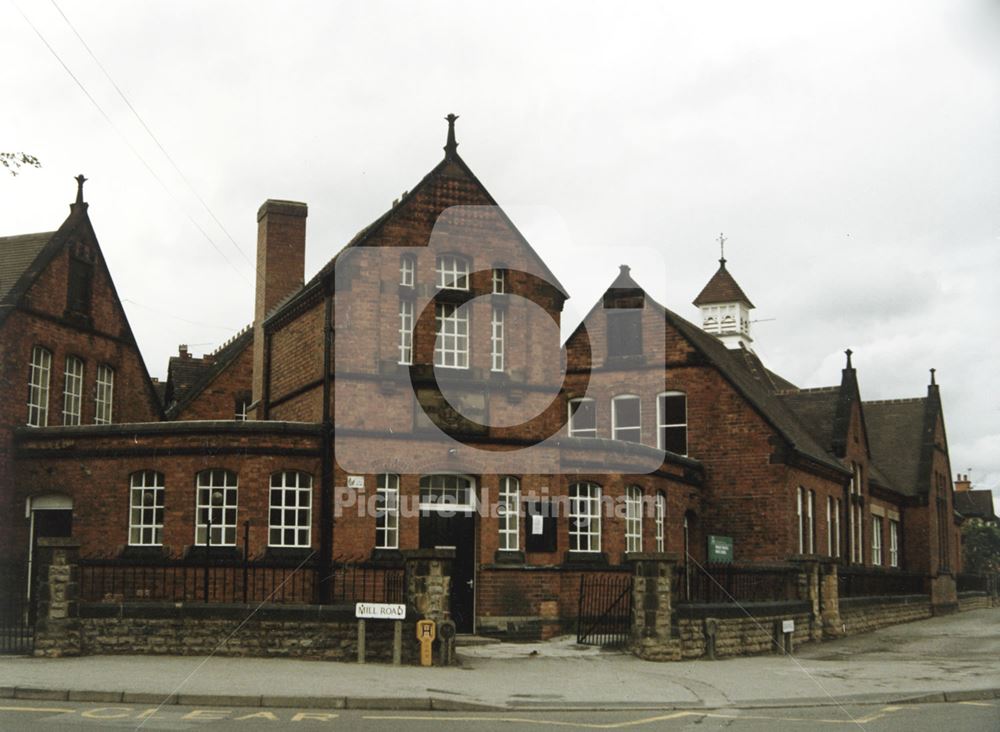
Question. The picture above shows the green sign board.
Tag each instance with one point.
(720, 548)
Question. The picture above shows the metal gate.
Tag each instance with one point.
(604, 615)
(16, 621)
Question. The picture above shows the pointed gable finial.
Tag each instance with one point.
(80, 180)
(451, 147)
(849, 352)
(933, 377)
(722, 250)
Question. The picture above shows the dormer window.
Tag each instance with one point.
(452, 272)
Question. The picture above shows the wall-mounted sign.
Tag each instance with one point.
(720, 548)
(356, 482)
(787, 626)
(380, 611)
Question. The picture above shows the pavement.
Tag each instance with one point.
(948, 658)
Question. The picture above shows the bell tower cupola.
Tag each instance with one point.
(725, 309)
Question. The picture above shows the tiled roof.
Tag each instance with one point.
(975, 504)
(16, 255)
(188, 377)
(895, 434)
(817, 408)
(722, 288)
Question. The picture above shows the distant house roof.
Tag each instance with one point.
(187, 377)
(16, 255)
(722, 288)
(975, 504)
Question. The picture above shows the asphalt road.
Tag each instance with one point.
(41, 716)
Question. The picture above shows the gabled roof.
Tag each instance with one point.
(16, 255)
(734, 369)
(975, 504)
(188, 377)
(896, 437)
(722, 288)
(451, 162)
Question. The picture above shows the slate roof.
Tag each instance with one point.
(188, 377)
(16, 255)
(722, 288)
(817, 408)
(975, 504)
(896, 437)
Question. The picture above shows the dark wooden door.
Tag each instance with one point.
(455, 529)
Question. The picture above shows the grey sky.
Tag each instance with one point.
(848, 150)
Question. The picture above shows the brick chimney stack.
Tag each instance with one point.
(281, 262)
(962, 483)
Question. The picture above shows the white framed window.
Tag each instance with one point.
(626, 418)
(877, 540)
(633, 519)
(836, 527)
(38, 387)
(671, 422)
(829, 526)
(217, 493)
(499, 281)
(406, 331)
(387, 511)
(104, 398)
(242, 407)
(585, 517)
(661, 518)
(800, 516)
(452, 272)
(893, 543)
(407, 270)
(72, 390)
(508, 510)
(451, 348)
(497, 340)
(145, 524)
(811, 522)
(448, 492)
(582, 418)
(290, 516)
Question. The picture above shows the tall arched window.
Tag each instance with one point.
(626, 418)
(585, 517)
(216, 504)
(633, 519)
(671, 422)
(38, 387)
(508, 509)
(145, 525)
(660, 518)
(290, 516)
(72, 390)
(387, 511)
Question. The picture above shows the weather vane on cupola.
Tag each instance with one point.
(722, 249)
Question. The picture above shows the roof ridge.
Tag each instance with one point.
(904, 400)
(232, 339)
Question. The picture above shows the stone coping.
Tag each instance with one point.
(729, 610)
(225, 611)
(847, 603)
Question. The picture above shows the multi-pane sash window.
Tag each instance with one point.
(671, 422)
(877, 540)
(72, 390)
(216, 501)
(387, 511)
(290, 509)
(585, 517)
(799, 514)
(660, 517)
(406, 331)
(893, 543)
(497, 339)
(445, 490)
(836, 527)
(811, 523)
(859, 536)
(38, 387)
(104, 399)
(633, 519)
(451, 349)
(829, 526)
(452, 272)
(508, 502)
(407, 270)
(626, 418)
(145, 527)
(499, 281)
(582, 418)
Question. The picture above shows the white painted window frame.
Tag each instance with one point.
(38, 387)
(290, 510)
(146, 492)
(616, 429)
(585, 518)
(207, 482)
(104, 394)
(387, 511)
(72, 391)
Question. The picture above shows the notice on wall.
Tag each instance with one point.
(356, 482)
(537, 527)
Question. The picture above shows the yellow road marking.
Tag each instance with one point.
(48, 710)
(978, 704)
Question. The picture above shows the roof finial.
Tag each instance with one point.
(849, 352)
(933, 379)
(722, 250)
(80, 180)
(451, 147)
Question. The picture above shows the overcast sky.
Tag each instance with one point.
(849, 151)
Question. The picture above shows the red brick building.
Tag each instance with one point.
(380, 407)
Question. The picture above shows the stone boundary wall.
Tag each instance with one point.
(315, 632)
(737, 633)
(862, 614)
(974, 601)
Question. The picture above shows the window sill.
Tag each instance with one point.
(585, 559)
(506, 556)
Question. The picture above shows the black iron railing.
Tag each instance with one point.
(16, 621)
(731, 583)
(976, 583)
(875, 582)
(604, 612)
